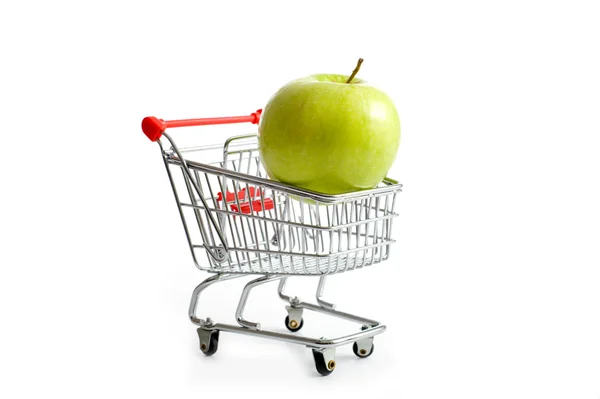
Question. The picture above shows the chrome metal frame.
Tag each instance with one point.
(299, 233)
(370, 327)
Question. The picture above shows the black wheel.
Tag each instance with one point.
(213, 344)
(322, 367)
(362, 353)
(293, 329)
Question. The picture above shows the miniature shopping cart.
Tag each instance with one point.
(239, 222)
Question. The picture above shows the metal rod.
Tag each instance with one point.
(320, 289)
(281, 288)
(186, 170)
(296, 339)
(179, 208)
(337, 313)
(390, 186)
(201, 287)
(239, 313)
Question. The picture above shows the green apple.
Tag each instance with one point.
(326, 135)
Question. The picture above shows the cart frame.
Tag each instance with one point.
(267, 228)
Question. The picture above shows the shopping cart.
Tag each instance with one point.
(238, 222)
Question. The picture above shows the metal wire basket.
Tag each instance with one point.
(247, 223)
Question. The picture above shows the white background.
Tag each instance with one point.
(493, 290)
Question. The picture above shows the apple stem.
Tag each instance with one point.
(360, 61)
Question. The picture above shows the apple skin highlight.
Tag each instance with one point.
(322, 134)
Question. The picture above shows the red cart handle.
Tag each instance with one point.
(154, 127)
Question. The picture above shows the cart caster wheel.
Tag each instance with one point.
(294, 320)
(293, 325)
(209, 341)
(324, 362)
(363, 352)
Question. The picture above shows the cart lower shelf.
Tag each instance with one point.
(323, 349)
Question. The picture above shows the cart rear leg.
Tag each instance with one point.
(239, 314)
(198, 290)
(207, 335)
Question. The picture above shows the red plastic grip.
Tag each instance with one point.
(230, 197)
(154, 127)
(256, 206)
(245, 206)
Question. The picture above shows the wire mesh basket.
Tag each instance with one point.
(243, 222)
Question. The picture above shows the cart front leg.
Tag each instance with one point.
(296, 306)
(320, 301)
